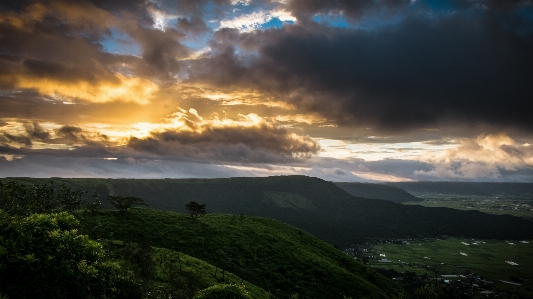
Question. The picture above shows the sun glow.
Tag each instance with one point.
(125, 89)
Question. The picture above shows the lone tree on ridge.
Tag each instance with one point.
(195, 209)
(122, 203)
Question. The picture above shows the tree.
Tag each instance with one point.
(124, 203)
(19, 199)
(436, 269)
(94, 207)
(44, 256)
(195, 209)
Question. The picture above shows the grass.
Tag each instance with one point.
(272, 255)
(170, 264)
(487, 259)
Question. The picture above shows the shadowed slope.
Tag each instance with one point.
(314, 205)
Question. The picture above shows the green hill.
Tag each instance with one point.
(378, 191)
(311, 204)
(275, 256)
(174, 270)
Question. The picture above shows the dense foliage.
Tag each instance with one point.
(19, 199)
(277, 257)
(44, 256)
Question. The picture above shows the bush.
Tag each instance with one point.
(44, 256)
(224, 291)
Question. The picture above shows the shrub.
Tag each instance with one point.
(44, 256)
(224, 291)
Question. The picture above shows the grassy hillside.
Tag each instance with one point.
(272, 255)
(311, 204)
(176, 272)
(378, 191)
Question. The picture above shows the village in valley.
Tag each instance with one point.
(451, 263)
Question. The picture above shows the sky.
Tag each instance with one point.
(344, 90)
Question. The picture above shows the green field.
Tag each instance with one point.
(498, 205)
(487, 259)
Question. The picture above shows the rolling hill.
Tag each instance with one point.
(311, 204)
(274, 256)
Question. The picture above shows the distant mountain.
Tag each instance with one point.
(378, 191)
(311, 204)
(468, 188)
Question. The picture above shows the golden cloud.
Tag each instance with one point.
(230, 97)
(483, 156)
(74, 13)
(248, 138)
(301, 118)
(123, 88)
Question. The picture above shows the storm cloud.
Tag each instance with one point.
(421, 72)
(344, 90)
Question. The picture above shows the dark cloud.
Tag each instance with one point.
(257, 144)
(438, 142)
(75, 135)
(422, 72)
(35, 131)
(66, 72)
(62, 41)
(521, 152)
(193, 25)
(261, 144)
(305, 10)
(19, 139)
(69, 132)
(160, 51)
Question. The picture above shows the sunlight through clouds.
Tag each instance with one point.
(484, 156)
(255, 20)
(123, 88)
(335, 89)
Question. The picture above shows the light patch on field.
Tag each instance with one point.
(288, 200)
(511, 263)
(463, 254)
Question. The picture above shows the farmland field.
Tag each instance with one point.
(491, 259)
(499, 205)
